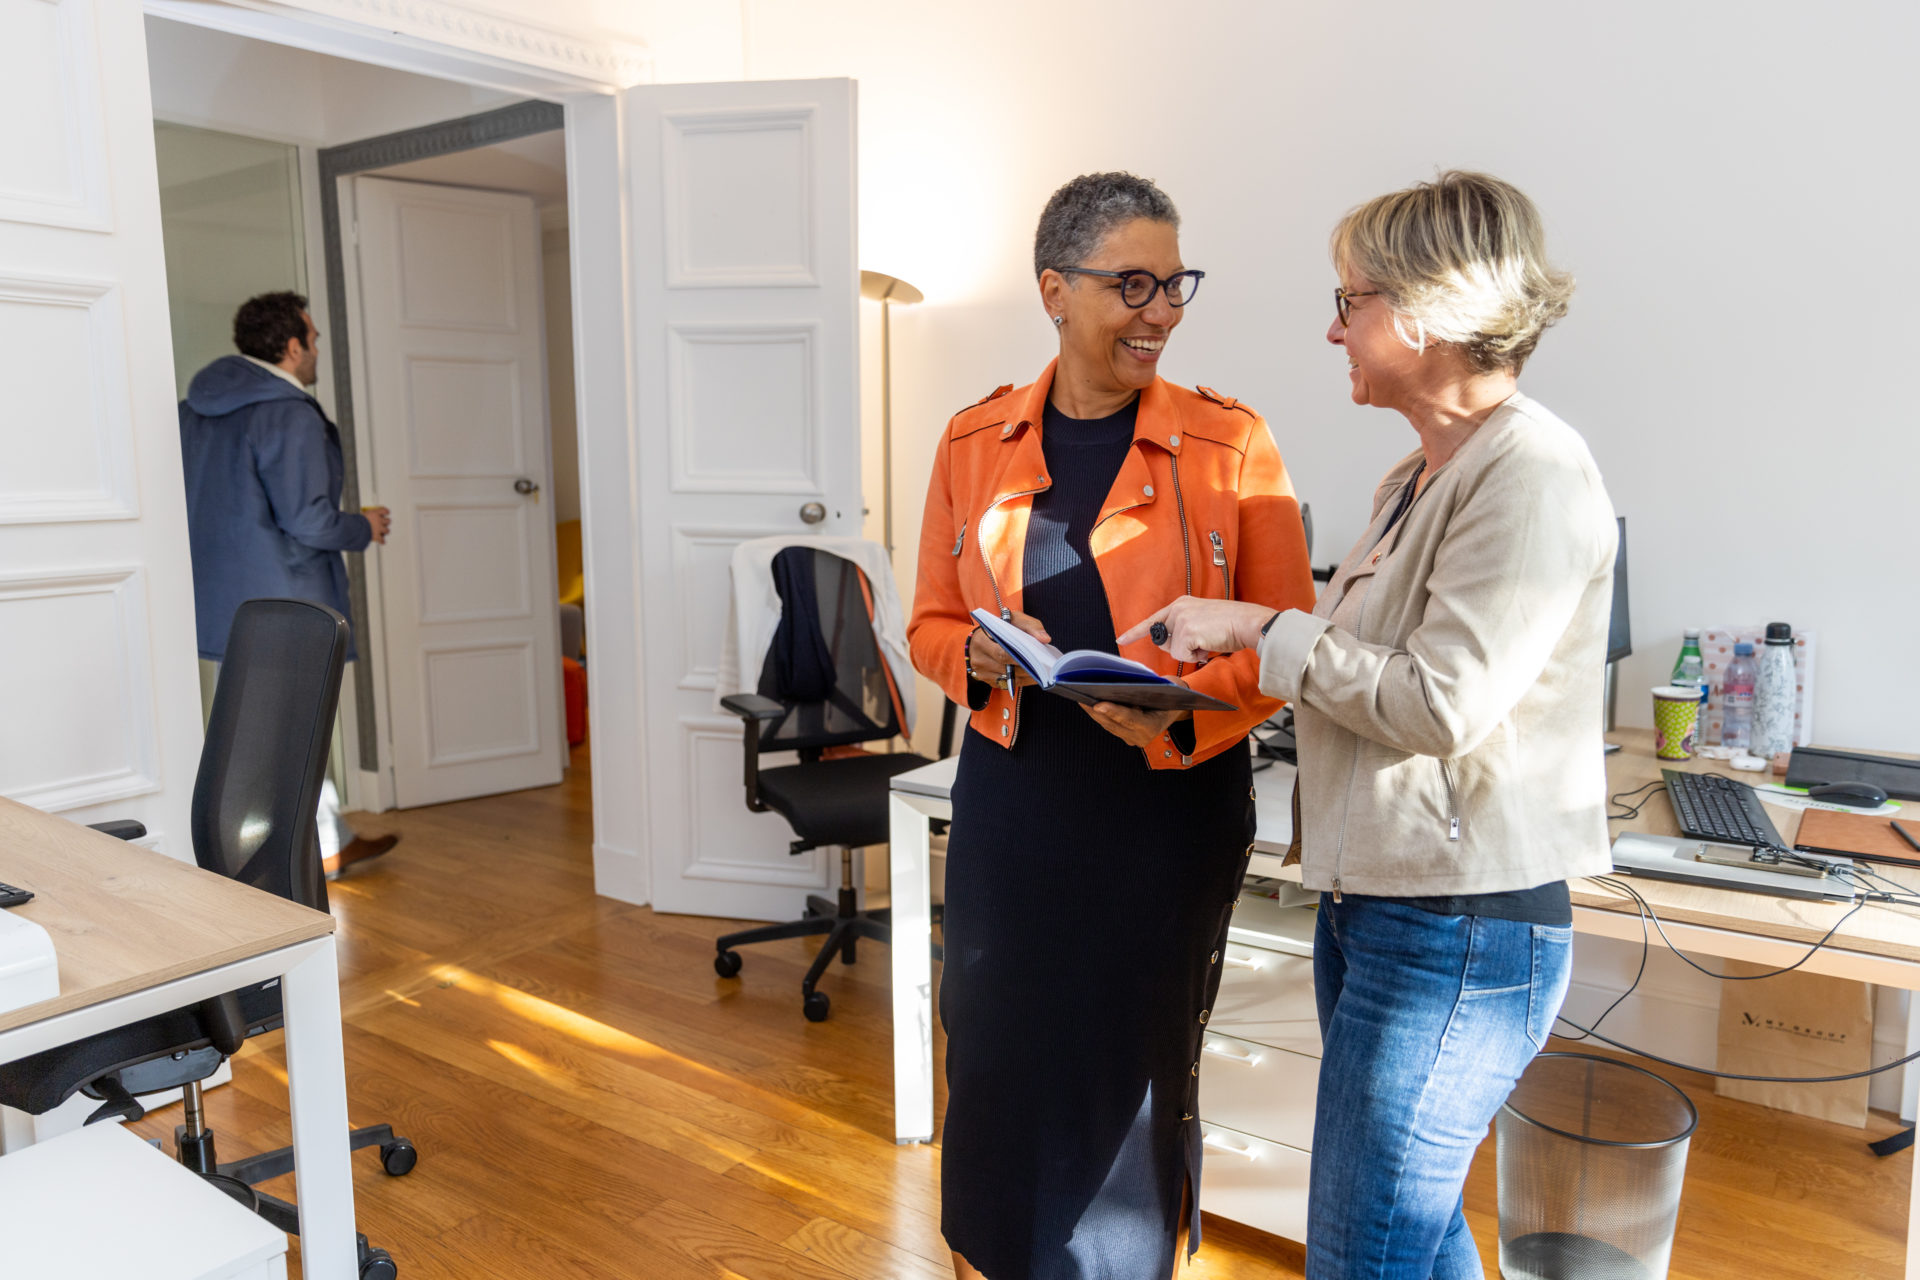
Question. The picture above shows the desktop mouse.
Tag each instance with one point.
(1861, 795)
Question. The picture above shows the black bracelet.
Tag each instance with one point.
(1268, 625)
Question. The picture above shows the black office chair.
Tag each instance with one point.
(253, 820)
(824, 685)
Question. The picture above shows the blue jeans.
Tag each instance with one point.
(1426, 1021)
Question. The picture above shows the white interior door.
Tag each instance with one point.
(746, 358)
(456, 420)
(96, 592)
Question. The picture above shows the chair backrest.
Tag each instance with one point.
(265, 754)
(824, 664)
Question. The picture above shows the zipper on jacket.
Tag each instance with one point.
(1006, 614)
(960, 541)
(1186, 542)
(1453, 805)
(1220, 560)
(1336, 888)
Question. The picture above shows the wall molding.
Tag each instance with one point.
(139, 773)
(87, 205)
(449, 25)
(116, 496)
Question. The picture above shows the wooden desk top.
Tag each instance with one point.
(1878, 929)
(123, 918)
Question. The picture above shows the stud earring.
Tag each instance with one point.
(1058, 321)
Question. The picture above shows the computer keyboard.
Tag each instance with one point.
(1719, 809)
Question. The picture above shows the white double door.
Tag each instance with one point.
(745, 328)
(455, 415)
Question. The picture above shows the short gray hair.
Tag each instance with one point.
(1082, 213)
(1461, 259)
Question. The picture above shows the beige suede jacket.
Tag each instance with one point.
(1447, 687)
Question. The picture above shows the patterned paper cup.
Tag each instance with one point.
(1676, 718)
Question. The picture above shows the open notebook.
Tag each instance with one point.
(1089, 676)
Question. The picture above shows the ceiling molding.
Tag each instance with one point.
(437, 27)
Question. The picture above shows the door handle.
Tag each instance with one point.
(813, 513)
(525, 486)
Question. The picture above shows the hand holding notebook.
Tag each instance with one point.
(1090, 676)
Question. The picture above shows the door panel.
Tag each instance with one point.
(456, 417)
(96, 589)
(746, 357)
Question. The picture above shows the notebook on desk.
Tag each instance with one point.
(1855, 835)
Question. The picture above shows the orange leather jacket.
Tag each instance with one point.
(1201, 506)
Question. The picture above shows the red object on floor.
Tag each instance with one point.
(574, 685)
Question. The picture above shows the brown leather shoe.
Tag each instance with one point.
(359, 850)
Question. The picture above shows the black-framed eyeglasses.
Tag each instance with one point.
(1342, 302)
(1138, 287)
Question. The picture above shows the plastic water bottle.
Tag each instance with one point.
(1774, 693)
(1690, 671)
(1736, 699)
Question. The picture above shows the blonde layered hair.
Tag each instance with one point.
(1460, 260)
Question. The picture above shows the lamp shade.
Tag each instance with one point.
(885, 288)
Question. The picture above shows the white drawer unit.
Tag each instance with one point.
(1258, 1090)
(1267, 997)
(1260, 1068)
(1251, 1180)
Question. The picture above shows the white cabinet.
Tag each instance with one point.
(1260, 1064)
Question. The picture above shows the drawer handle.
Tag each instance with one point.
(1223, 1049)
(1226, 1147)
(1241, 962)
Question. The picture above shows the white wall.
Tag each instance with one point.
(1729, 183)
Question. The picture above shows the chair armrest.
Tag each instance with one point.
(751, 706)
(120, 828)
(753, 711)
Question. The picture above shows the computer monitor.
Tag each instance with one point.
(1620, 625)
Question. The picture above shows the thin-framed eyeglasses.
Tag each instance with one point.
(1138, 287)
(1343, 302)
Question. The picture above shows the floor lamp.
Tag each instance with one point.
(887, 291)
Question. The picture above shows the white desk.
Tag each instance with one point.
(137, 933)
(1881, 944)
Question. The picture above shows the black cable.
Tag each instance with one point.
(1634, 812)
(1648, 913)
(1646, 946)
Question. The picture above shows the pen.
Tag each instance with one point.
(1904, 834)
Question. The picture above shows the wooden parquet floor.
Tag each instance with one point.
(590, 1100)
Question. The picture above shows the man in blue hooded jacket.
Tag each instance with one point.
(264, 476)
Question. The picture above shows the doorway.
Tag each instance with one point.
(479, 711)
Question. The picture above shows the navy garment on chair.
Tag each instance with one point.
(823, 685)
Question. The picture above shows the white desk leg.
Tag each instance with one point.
(910, 854)
(317, 1099)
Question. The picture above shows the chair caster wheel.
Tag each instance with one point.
(398, 1157)
(727, 964)
(816, 1006)
(378, 1265)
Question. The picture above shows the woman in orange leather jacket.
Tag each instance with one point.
(1096, 851)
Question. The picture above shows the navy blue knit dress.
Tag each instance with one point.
(1087, 903)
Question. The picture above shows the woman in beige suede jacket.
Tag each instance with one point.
(1447, 700)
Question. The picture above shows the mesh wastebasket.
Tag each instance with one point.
(1591, 1154)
